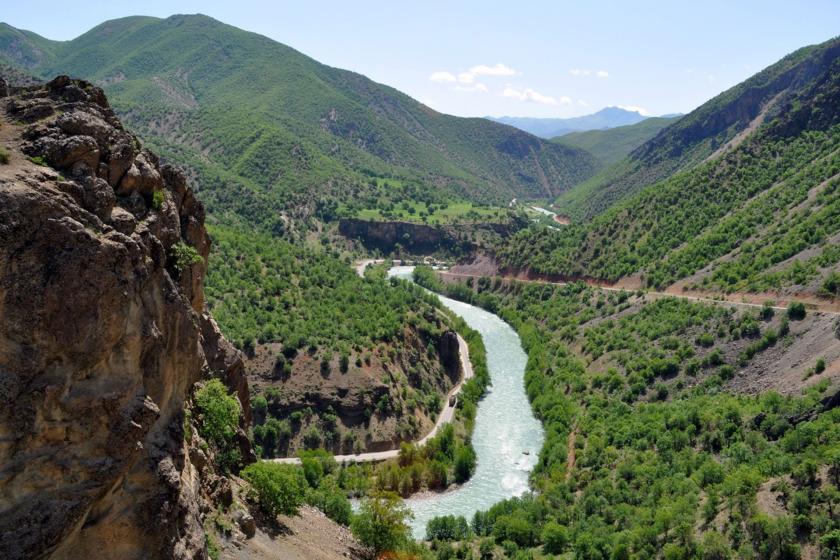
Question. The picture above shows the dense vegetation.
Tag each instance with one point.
(677, 470)
(764, 202)
(261, 288)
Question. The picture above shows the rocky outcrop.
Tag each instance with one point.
(418, 239)
(103, 334)
(450, 357)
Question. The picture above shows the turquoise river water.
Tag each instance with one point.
(507, 436)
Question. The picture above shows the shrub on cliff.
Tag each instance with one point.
(279, 488)
(184, 256)
(218, 420)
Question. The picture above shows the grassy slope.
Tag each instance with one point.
(244, 109)
(765, 201)
(613, 144)
(693, 138)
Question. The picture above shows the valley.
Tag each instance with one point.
(254, 306)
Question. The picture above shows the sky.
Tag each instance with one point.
(537, 58)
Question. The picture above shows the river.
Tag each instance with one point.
(507, 437)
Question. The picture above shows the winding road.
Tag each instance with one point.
(446, 415)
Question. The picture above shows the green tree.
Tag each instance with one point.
(796, 310)
(280, 488)
(715, 547)
(464, 463)
(218, 421)
(555, 537)
(381, 523)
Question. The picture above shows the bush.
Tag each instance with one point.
(767, 311)
(513, 528)
(4, 156)
(464, 464)
(184, 256)
(796, 310)
(279, 488)
(218, 421)
(157, 200)
(381, 523)
(831, 285)
(259, 405)
(819, 367)
(705, 340)
(555, 537)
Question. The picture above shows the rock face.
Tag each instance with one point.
(418, 239)
(102, 336)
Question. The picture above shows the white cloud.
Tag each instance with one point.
(466, 81)
(635, 108)
(587, 72)
(442, 77)
(583, 103)
(529, 94)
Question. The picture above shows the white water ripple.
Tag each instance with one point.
(507, 438)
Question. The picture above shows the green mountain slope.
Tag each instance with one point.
(709, 131)
(613, 144)
(765, 215)
(266, 126)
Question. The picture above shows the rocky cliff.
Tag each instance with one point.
(420, 239)
(103, 335)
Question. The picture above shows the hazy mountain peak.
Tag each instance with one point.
(608, 117)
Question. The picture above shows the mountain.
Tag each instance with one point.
(267, 128)
(709, 131)
(613, 144)
(607, 117)
(757, 208)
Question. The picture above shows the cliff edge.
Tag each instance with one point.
(103, 335)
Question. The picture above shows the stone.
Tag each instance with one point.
(246, 522)
(72, 150)
(99, 198)
(123, 221)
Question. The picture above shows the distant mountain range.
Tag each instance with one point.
(608, 117)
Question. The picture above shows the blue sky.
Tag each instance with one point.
(544, 59)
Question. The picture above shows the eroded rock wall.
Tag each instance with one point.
(101, 336)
